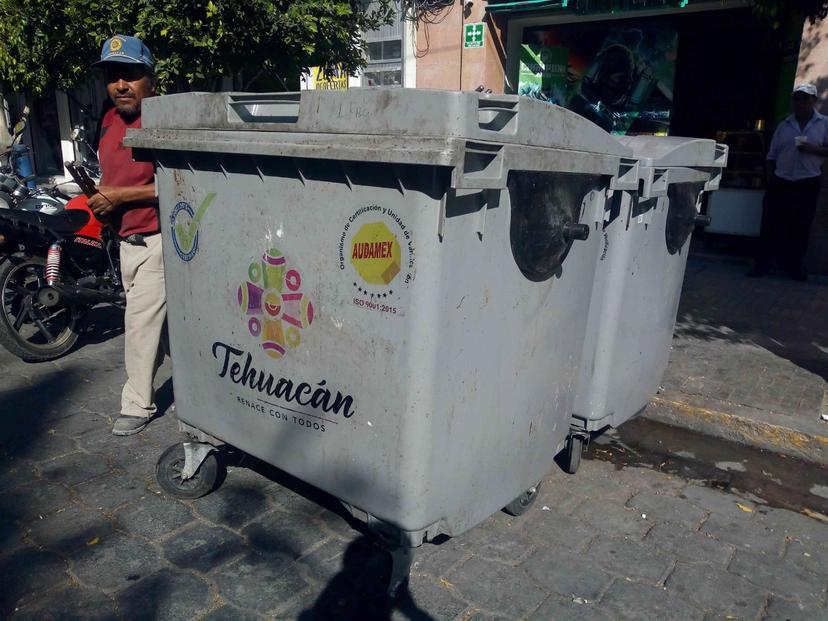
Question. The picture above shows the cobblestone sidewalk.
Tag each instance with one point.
(749, 360)
(86, 533)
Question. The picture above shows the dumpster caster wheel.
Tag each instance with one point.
(521, 504)
(170, 471)
(574, 448)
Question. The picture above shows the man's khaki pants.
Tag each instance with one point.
(142, 271)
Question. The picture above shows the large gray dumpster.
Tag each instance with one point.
(637, 285)
(381, 292)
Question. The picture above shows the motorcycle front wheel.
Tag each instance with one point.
(29, 330)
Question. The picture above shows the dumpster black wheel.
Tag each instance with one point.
(521, 504)
(168, 474)
(574, 448)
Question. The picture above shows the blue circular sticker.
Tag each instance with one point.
(184, 231)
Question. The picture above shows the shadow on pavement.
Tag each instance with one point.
(164, 398)
(719, 303)
(101, 324)
(26, 412)
(297, 486)
(357, 592)
(146, 598)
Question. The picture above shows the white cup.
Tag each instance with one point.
(800, 140)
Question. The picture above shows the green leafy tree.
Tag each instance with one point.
(41, 46)
(47, 44)
(196, 41)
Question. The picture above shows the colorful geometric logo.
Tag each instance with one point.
(375, 253)
(275, 309)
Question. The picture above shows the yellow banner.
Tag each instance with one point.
(336, 80)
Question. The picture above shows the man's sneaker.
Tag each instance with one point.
(129, 425)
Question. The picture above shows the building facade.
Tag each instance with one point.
(709, 69)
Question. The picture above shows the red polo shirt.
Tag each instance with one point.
(120, 170)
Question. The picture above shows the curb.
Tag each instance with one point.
(811, 447)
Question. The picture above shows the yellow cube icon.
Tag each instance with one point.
(375, 253)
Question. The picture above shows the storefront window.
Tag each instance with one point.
(618, 76)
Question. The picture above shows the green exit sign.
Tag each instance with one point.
(473, 35)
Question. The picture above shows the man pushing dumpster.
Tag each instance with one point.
(126, 198)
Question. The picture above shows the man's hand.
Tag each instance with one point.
(812, 149)
(106, 200)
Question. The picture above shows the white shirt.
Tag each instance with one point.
(791, 164)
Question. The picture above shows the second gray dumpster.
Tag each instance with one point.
(637, 285)
(381, 292)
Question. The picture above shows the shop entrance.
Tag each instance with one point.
(720, 74)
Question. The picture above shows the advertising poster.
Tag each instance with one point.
(336, 79)
(619, 77)
(543, 72)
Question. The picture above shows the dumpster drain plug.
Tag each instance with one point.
(571, 232)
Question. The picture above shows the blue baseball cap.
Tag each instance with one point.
(125, 49)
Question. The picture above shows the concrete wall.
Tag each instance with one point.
(443, 63)
(813, 67)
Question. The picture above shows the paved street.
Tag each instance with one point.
(656, 525)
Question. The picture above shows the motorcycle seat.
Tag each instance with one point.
(64, 222)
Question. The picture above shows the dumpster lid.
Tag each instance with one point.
(663, 151)
(417, 113)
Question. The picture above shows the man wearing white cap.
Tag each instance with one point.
(797, 151)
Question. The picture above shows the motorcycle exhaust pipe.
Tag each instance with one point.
(58, 295)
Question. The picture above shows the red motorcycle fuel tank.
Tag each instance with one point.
(94, 227)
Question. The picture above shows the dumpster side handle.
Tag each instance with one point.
(627, 177)
(498, 114)
(263, 108)
(482, 168)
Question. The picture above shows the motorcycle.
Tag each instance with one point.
(18, 189)
(61, 265)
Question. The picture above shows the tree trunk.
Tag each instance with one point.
(5, 135)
